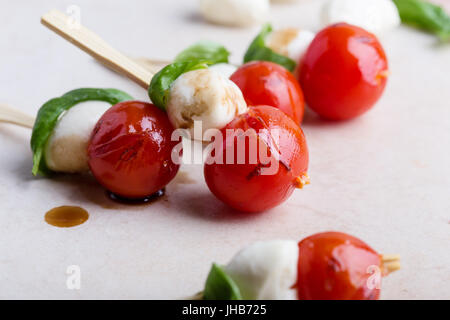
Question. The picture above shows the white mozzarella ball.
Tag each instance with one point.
(266, 270)
(290, 42)
(224, 69)
(66, 149)
(235, 12)
(206, 96)
(376, 16)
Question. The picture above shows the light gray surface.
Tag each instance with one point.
(384, 177)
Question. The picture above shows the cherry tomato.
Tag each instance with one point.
(336, 266)
(130, 150)
(344, 72)
(247, 181)
(267, 83)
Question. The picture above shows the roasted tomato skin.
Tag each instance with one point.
(335, 266)
(344, 72)
(267, 83)
(241, 185)
(130, 150)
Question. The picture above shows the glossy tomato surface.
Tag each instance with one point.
(336, 266)
(247, 181)
(343, 72)
(267, 83)
(130, 150)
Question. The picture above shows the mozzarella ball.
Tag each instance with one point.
(66, 149)
(290, 42)
(224, 69)
(266, 270)
(376, 16)
(238, 13)
(206, 96)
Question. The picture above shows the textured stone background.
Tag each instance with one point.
(384, 177)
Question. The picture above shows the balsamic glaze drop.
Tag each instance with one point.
(149, 199)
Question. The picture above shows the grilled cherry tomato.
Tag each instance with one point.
(267, 83)
(130, 150)
(344, 72)
(337, 266)
(247, 180)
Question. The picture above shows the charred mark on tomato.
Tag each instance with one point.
(256, 121)
(97, 127)
(131, 152)
(334, 265)
(271, 140)
(257, 171)
(285, 165)
(149, 199)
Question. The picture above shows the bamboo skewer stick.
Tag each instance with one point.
(92, 44)
(14, 116)
(390, 263)
(152, 65)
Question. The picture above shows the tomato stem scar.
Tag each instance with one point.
(302, 181)
(384, 74)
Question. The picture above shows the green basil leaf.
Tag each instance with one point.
(205, 51)
(220, 286)
(425, 15)
(161, 83)
(259, 52)
(49, 114)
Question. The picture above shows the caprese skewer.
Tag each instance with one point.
(324, 266)
(129, 150)
(196, 88)
(63, 127)
(126, 144)
(342, 70)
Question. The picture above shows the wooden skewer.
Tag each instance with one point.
(92, 44)
(390, 263)
(152, 65)
(11, 115)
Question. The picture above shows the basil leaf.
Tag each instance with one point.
(206, 51)
(161, 83)
(49, 114)
(426, 16)
(259, 52)
(220, 286)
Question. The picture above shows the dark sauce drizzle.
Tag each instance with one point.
(158, 194)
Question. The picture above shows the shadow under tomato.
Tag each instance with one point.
(177, 199)
(312, 119)
(180, 197)
(84, 188)
(205, 206)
